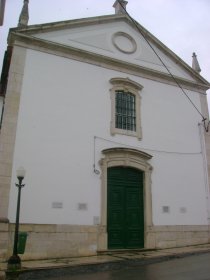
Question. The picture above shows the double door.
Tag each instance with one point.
(125, 208)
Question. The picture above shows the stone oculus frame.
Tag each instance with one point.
(129, 45)
(128, 158)
(127, 85)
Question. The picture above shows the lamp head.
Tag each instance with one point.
(20, 173)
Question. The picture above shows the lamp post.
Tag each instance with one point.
(14, 262)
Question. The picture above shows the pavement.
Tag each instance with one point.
(36, 269)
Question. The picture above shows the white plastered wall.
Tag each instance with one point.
(64, 104)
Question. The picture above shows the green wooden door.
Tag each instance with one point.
(125, 209)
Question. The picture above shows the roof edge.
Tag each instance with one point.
(31, 29)
(172, 55)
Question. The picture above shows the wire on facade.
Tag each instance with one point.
(206, 125)
(96, 171)
(143, 148)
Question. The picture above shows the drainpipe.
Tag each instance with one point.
(205, 168)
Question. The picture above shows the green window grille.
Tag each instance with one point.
(125, 110)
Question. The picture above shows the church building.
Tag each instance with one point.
(111, 127)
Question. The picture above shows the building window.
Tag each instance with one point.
(125, 100)
(125, 111)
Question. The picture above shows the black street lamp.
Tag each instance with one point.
(14, 262)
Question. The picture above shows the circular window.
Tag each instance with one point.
(124, 42)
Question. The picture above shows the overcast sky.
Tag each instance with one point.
(182, 25)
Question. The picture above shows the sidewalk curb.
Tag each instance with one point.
(123, 262)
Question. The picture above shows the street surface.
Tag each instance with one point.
(187, 268)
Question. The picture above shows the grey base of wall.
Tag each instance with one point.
(64, 241)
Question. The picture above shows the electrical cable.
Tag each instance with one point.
(143, 148)
(206, 126)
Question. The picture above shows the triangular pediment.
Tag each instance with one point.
(115, 37)
(98, 41)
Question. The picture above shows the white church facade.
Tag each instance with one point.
(116, 155)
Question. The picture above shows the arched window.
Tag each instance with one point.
(125, 113)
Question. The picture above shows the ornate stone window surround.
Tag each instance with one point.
(127, 158)
(127, 85)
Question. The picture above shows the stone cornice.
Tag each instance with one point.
(62, 25)
(30, 42)
(126, 82)
(134, 152)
